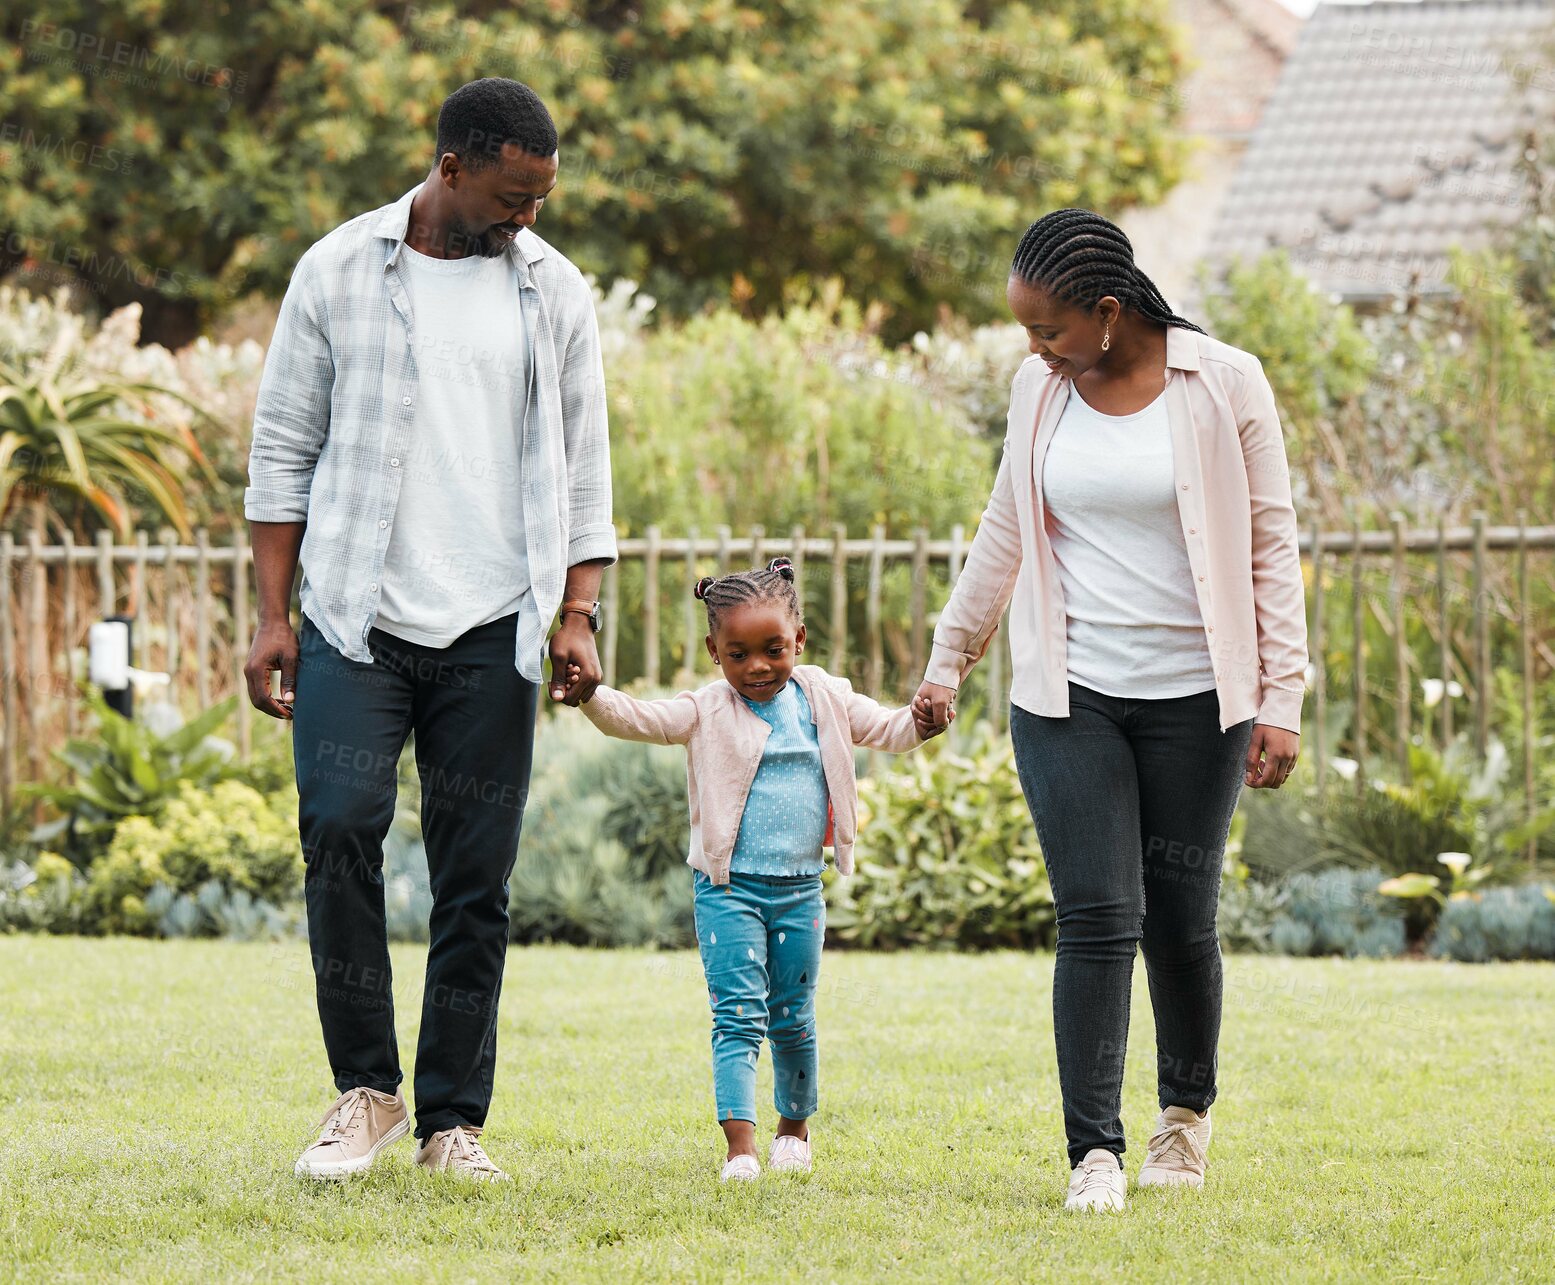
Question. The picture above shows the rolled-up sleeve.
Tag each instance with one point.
(291, 413)
(591, 533)
(1279, 593)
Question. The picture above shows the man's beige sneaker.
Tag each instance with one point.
(359, 1124)
(1097, 1183)
(457, 1151)
(1178, 1150)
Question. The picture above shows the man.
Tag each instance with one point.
(430, 441)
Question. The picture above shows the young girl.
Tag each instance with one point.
(769, 767)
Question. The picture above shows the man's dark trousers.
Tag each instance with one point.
(473, 715)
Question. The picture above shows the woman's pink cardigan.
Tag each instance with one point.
(1233, 498)
(724, 741)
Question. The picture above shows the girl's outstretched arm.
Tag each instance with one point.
(662, 722)
(874, 725)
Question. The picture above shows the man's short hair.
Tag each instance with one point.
(477, 120)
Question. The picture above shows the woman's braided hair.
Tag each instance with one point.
(1080, 257)
(773, 583)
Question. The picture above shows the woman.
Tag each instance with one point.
(1141, 532)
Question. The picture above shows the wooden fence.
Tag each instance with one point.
(194, 621)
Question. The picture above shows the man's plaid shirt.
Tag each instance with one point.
(336, 408)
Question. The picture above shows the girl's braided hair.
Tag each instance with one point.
(773, 583)
(1080, 257)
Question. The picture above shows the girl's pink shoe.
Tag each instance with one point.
(789, 1153)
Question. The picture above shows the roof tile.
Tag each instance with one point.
(1392, 132)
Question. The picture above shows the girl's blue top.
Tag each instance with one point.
(784, 823)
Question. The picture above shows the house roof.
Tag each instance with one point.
(1237, 48)
(1391, 137)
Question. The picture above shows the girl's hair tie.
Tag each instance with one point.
(783, 566)
(702, 586)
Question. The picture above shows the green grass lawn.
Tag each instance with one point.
(1376, 1121)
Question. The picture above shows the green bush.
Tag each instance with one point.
(643, 788)
(583, 888)
(126, 769)
(602, 860)
(270, 768)
(229, 833)
(1418, 405)
(17, 844)
(947, 856)
(1499, 923)
(1337, 912)
(47, 896)
(1452, 803)
(1245, 919)
(215, 910)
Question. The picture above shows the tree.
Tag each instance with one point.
(181, 154)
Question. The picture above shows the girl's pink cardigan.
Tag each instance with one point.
(724, 742)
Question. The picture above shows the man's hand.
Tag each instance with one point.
(1278, 749)
(933, 709)
(575, 668)
(274, 647)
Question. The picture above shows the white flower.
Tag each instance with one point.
(1433, 688)
(1457, 862)
(1455, 689)
(1346, 768)
(1310, 674)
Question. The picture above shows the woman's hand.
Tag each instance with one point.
(1278, 749)
(933, 709)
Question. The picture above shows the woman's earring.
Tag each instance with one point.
(1106, 338)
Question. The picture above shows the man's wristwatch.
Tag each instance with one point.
(583, 607)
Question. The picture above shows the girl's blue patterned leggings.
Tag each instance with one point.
(760, 937)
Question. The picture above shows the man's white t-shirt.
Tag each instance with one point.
(456, 554)
(1134, 625)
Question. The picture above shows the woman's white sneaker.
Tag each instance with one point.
(1178, 1151)
(741, 1168)
(1097, 1183)
(789, 1153)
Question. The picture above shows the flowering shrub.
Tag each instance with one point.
(229, 833)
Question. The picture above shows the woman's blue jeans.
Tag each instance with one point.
(760, 938)
(1133, 801)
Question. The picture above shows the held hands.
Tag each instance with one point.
(1278, 749)
(571, 680)
(933, 709)
(575, 668)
